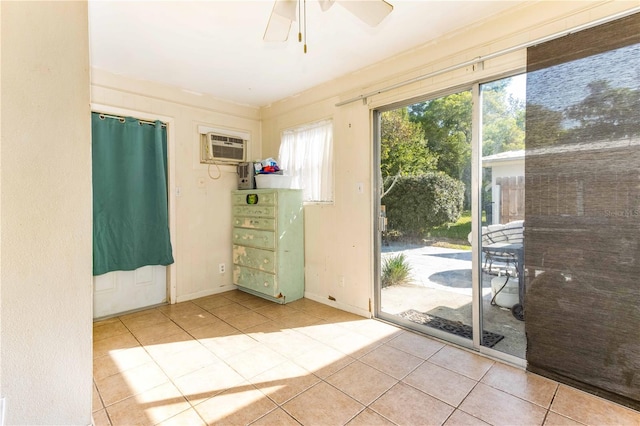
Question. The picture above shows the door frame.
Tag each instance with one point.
(171, 165)
(476, 183)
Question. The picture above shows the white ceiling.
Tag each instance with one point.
(216, 47)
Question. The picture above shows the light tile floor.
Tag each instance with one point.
(236, 359)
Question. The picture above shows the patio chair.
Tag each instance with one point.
(504, 243)
(500, 243)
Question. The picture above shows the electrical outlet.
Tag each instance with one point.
(222, 268)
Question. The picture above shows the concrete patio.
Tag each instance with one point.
(441, 286)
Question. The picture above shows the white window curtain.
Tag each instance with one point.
(306, 153)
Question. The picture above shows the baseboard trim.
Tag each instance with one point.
(205, 293)
(335, 304)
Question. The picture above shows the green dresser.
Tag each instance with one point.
(268, 243)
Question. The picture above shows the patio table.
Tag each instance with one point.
(516, 251)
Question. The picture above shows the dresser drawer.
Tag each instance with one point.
(255, 280)
(268, 243)
(255, 223)
(263, 260)
(261, 211)
(252, 198)
(254, 238)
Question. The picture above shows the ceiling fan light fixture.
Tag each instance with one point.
(371, 12)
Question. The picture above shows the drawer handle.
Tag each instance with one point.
(266, 284)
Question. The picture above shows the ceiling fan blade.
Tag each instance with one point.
(286, 8)
(371, 12)
(279, 25)
(325, 4)
(277, 29)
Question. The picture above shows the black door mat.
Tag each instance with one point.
(489, 339)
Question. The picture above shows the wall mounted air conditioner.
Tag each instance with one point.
(218, 148)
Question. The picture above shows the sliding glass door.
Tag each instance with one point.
(425, 194)
(501, 245)
(434, 276)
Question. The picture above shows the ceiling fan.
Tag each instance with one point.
(371, 12)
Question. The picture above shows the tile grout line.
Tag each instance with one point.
(277, 405)
(104, 407)
(546, 414)
(398, 381)
(324, 379)
(169, 378)
(130, 331)
(465, 398)
(368, 406)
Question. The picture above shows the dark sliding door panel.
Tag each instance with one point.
(582, 210)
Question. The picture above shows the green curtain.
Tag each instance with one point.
(130, 214)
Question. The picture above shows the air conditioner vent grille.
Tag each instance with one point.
(222, 148)
(226, 152)
(222, 138)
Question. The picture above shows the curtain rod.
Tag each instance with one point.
(122, 119)
(480, 59)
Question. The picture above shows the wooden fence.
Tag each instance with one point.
(511, 198)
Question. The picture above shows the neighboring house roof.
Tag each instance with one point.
(518, 155)
(503, 157)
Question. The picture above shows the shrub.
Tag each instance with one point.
(395, 270)
(418, 203)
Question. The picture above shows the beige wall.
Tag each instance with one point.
(45, 176)
(339, 238)
(201, 214)
(45, 216)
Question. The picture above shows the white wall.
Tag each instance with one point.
(202, 211)
(45, 215)
(339, 238)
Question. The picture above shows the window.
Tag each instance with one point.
(306, 153)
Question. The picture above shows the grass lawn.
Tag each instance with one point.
(453, 235)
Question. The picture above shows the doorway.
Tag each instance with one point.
(140, 273)
(440, 171)
(122, 291)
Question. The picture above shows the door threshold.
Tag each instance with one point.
(131, 311)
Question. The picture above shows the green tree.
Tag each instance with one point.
(446, 122)
(418, 203)
(502, 119)
(447, 126)
(403, 150)
(544, 126)
(607, 112)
